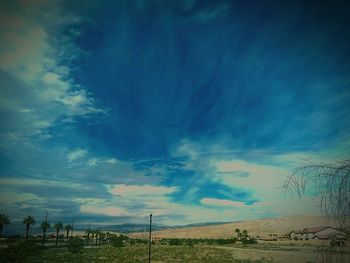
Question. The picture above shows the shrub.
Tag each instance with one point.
(248, 241)
(18, 250)
(141, 241)
(75, 245)
(175, 242)
(189, 242)
(222, 241)
(117, 241)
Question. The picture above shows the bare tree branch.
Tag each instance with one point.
(331, 182)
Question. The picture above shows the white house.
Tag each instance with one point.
(323, 233)
(320, 233)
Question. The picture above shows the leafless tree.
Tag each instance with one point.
(331, 183)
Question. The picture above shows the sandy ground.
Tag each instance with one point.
(291, 256)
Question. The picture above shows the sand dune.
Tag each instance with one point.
(261, 227)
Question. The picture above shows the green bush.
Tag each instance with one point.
(117, 241)
(189, 242)
(18, 251)
(75, 245)
(222, 241)
(175, 242)
(248, 241)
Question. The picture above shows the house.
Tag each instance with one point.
(156, 239)
(318, 233)
(324, 233)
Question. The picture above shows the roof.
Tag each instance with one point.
(316, 229)
(296, 232)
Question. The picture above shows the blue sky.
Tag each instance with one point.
(194, 111)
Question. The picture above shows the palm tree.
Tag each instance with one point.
(67, 228)
(58, 226)
(238, 232)
(102, 237)
(97, 232)
(92, 236)
(88, 232)
(28, 221)
(245, 234)
(4, 220)
(44, 226)
(108, 236)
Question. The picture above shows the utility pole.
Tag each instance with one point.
(99, 237)
(72, 227)
(150, 238)
(44, 229)
(89, 235)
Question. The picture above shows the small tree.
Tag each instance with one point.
(75, 245)
(67, 228)
(88, 235)
(18, 250)
(238, 233)
(117, 241)
(28, 221)
(92, 236)
(4, 220)
(58, 226)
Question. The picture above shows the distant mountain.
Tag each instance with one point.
(130, 228)
(261, 227)
(203, 224)
(19, 229)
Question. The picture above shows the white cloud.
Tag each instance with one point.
(221, 202)
(22, 181)
(76, 154)
(264, 181)
(138, 191)
(93, 162)
(111, 161)
(101, 161)
(9, 197)
(36, 89)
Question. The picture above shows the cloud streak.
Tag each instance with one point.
(97, 124)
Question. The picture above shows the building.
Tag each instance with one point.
(324, 233)
(320, 233)
(156, 239)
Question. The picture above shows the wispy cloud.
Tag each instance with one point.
(221, 202)
(77, 154)
(37, 87)
(206, 132)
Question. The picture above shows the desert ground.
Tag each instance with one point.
(196, 254)
(283, 250)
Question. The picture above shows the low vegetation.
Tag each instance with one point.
(138, 253)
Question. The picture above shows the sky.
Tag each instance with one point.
(194, 111)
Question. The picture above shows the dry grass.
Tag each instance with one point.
(184, 254)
